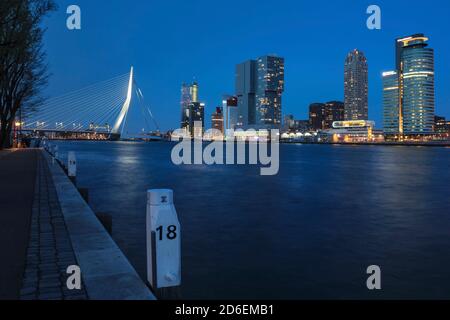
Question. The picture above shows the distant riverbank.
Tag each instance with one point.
(409, 144)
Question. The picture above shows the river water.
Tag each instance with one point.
(309, 232)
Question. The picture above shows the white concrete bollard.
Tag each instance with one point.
(72, 165)
(163, 240)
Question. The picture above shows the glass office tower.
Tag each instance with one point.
(417, 84)
(409, 94)
(245, 92)
(391, 115)
(269, 90)
(259, 87)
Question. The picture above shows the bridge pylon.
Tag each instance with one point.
(125, 107)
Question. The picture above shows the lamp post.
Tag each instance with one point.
(15, 135)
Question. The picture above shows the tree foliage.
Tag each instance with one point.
(23, 71)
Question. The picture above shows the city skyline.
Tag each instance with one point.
(314, 66)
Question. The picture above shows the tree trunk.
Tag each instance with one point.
(8, 139)
(5, 134)
(2, 135)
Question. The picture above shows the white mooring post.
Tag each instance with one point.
(72, 166)
(163, 241)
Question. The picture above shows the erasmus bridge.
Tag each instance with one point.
(100, 109)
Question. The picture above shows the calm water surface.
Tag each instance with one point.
(310, 232)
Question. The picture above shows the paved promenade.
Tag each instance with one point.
(46, 227)
(50, 251)
(17, 180)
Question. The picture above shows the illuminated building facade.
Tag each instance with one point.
(269, 90)
(356, 86)
(288, 123)
(391, 112)
(322, 115)
(441, 126)
(193, 89)
(196, 119)
(355, 131)
(292, 125)
(192, 110)
(186, 100)
(259, 89)
(189, 94)
(217, 120)
(246, 92)
(409, 94)
(230, 109)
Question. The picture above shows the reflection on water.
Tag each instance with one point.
(309, 232)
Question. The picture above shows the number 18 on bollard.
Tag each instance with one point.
(163, 240)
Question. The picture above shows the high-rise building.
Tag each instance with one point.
(245, 92)
(322, 115)
(259, 89)
(391, 115)
(196, 117)
(316, 115)
(186, 100)
(192, 110)
(217, 120)
(356, 86)
(409, 96)
(269, 90)
(194, 91)
(230, 109)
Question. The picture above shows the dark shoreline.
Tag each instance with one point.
(396, 144)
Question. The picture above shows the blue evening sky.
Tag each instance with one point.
(169, 42)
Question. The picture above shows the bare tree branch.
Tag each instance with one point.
(23, 71)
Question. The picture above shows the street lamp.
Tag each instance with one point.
(17, 125)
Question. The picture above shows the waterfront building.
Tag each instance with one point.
(355, 131)
(194, 91)
(246, 92)
(292, 125)
(186, 100)
(409, 94)
(288, 123)
(441, 125)
(192, 110)
(231, 114)
(322, 115)
(217, 120)
(316, 116)
(259, 89)
(302, 126)
(391, 112)
(269, 90)
(356, 86)
(196, 119)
